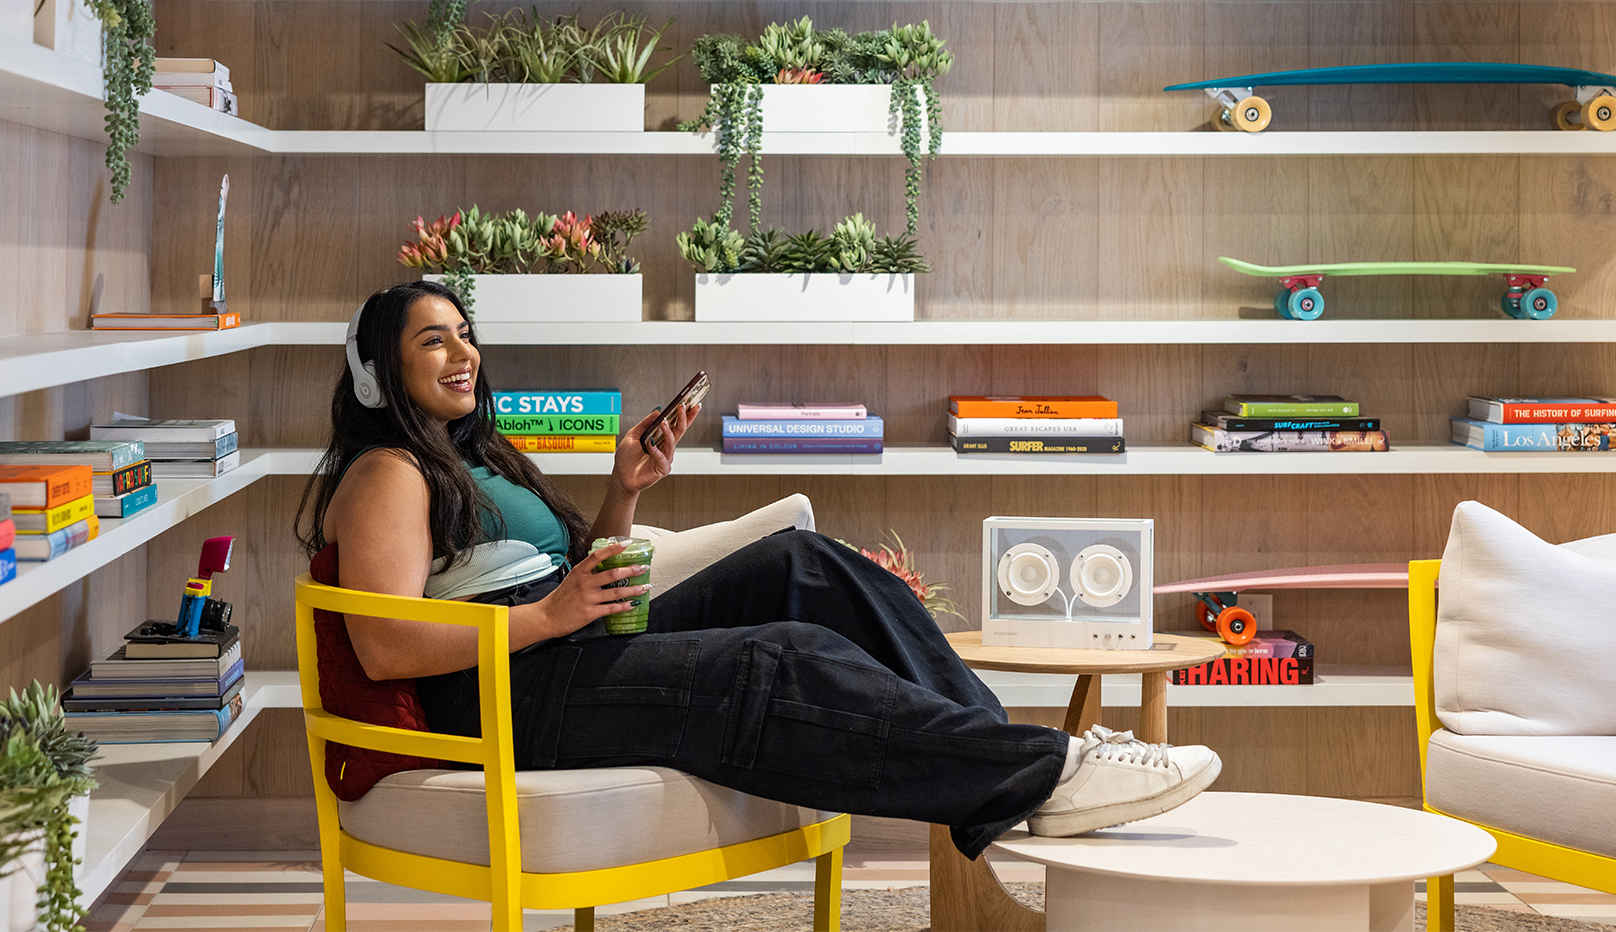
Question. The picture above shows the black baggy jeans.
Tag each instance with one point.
(795, 669)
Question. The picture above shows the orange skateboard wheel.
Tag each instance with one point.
(1205, 617)
(1563, 113)
(1251, 115)
(1236, 625)
(1600, 113)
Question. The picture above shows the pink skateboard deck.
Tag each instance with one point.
(1340, 576)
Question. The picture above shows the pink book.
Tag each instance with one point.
(800, 410)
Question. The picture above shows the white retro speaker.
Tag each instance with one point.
(1067, 582)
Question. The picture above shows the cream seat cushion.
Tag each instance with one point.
(570, 820)
(1525, 630)
(1556, 789)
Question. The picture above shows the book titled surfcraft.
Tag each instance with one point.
(1067, 406)
(1558, 438)
(802, 444)
(147, 727)
(866, 427)
(1038, 444)
(563, 443)
(1289, 441)
(1225, 421)
(1543, 410)
(565, 424)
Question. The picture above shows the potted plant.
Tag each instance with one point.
(850, 275)
(524, 73)
(45, 781)
(515, 268)
(796, 79)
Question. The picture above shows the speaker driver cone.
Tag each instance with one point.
(1028, 574)
(1103, 575)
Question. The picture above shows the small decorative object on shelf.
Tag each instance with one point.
(900, 562)
(543, 268)
(527, 74)
(45, 781)
(753, 89)
(128, 63)
(848, 275)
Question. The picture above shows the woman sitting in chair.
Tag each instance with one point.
(794, 669)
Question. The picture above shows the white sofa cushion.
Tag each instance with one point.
(1556, 789)
(1525, 630)
(570, 820)
(680, 554)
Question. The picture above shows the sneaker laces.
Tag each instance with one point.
(1122, 746)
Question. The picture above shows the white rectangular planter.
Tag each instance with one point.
(69, 27)
(796, 296)
(554, 298)
(17, 19)
(834, 108)
(536, 108)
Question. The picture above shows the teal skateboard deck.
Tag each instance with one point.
(1525, 297)
(1594, 92)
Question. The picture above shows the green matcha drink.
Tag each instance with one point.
(637, 553)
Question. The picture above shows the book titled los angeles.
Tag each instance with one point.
(1524, 438)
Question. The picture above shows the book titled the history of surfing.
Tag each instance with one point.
(1543, 410)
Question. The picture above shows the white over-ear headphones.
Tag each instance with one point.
(365, 385)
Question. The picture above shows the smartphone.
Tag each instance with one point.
(689, 396)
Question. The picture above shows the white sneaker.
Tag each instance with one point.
(1121, 779)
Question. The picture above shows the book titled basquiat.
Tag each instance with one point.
(1526, 438)
(1272, 658)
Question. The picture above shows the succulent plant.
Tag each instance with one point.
(852, 247)
(711, 246)
(524, 48)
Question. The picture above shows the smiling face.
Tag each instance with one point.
(439, 362)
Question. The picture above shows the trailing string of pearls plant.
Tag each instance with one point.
(129, 62)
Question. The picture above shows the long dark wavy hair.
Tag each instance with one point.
(456, 504)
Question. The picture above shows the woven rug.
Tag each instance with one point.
(908, 910)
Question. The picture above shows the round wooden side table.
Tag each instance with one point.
(966, 896)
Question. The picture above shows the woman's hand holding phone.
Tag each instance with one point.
(637, 467)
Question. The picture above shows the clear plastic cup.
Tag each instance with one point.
(637, 553)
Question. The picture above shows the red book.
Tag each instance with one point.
(8, 533)
(1543, 410)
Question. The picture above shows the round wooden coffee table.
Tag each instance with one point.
(966, 896)
(1251, 861)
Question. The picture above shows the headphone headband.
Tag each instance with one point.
(367, 388)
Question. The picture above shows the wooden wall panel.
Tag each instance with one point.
(1150, 236)
(1470, 32)
(1361, 34)
(1468, 210)
(1360, 212)
(1032, 42)
(1143, 48)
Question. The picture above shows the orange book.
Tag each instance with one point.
(1031, 406)
(42, 486)
(164, 321)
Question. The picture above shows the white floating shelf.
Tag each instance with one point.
(1331, 686)
(177, 499)
(35, 361)
(142, 783)
(44, 89)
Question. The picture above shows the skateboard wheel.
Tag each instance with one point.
(1236, 625)
(1252, 114)
(1205, 617)
(1282, 303)
(1511, 303)
(1220, 122)
(1600, 113)
(1304, 304)
(1538, 304)
(1562, 116)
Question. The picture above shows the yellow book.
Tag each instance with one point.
(49, 520)
(564, 443)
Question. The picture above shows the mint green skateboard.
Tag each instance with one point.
(1525, 297)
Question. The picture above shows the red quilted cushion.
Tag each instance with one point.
(345, 690)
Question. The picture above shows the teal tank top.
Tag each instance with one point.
(525, 516)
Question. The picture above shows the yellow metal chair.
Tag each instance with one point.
(502, 882)
(1526, 854)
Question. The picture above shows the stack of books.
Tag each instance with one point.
(560, 422)
(1561, 425)
(52, 509)
(8, 533)
(200, 80)
(1289, 424)
(1034, 424)
(176, 449)
(157, 690)
(802, 427)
